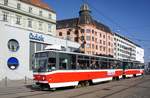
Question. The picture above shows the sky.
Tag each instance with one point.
(130, 18)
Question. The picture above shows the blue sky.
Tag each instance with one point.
(127, 17)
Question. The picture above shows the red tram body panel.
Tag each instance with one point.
(62, 78)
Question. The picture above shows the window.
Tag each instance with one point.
(13, 45)
(76, 32)
(100, 35)
(32, 51)
(96, 40)
(92, 31)
(76, 39)
(108, 43)
(95, 33)
(68, 32)
(49, 16)
(51, 64)
(103, 42)
(30, 9)
(82, 45)
(5, 2)
(92, 38)
(104, 49)
(109, 49)
(18, 18)
(82, 30)
(30, 23)
(88, 38)
(40, 13)
(5, 16)
(100, 41)
(49, 27)
(18, 6)
(100, 48)
(38, 47)
(109, 37)
(88, 31)
(88, 46)
(96, 47)
(60, 33)
(93, 46)
(40, 25)
(103, 36)
(64, 61)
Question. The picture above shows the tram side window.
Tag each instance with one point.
(51, 63)
(63, 63)
(73, 62)
(103, 64)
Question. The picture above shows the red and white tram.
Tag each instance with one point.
(56, 69)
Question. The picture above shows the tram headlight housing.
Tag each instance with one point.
(43, 78)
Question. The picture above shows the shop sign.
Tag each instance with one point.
(37, 37)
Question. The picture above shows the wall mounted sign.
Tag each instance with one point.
(37, 37)
(13, 63)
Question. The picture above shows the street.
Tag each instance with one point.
(138, 87)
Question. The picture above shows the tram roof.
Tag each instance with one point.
(76, 54)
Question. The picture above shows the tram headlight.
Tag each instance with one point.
(43, 78)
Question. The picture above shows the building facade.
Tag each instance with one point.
(139, 54)
(93, 36)
(27, 26)
(125, 49)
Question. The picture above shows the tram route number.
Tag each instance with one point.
(111, 72)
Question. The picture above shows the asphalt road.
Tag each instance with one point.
(138, 87)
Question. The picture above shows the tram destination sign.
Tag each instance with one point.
(37, 37)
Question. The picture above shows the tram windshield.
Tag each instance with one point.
(40, 62)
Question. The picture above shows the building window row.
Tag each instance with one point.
(5, 2)
(30, 9)
(18, 20)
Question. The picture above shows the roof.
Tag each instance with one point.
(73, 22)
(125, 38)
(67, 23)
(82, 54)
(38, 3)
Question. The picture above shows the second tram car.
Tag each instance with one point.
(132, 69)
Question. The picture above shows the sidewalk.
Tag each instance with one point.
(15, 83)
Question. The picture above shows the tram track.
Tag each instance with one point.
(109, 88)
(26, 93)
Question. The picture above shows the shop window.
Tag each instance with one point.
(13, 45)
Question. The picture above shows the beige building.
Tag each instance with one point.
(94, 37)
